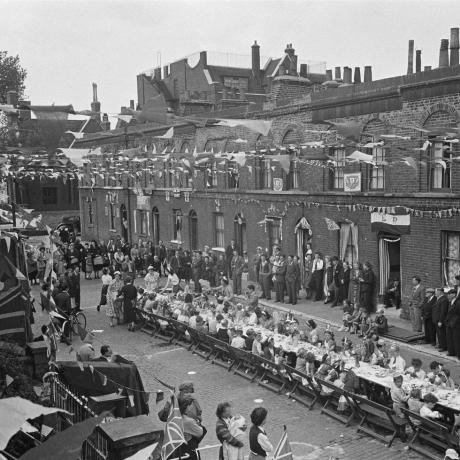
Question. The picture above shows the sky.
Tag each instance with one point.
(66, 45)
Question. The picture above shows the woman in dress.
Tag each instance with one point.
(112, 293)
(106, 280)
(307, 266)
(98, 260)
(264, 277)
(367, 283)
(259, 443)
(328, 278)
(354, 289)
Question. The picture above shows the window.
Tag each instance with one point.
(266, 174)
(177, 225)
(90, 212)
(211, 175)
(293, 176)
(155, 226)
(450, 256)
(440, 165)
(49, 195)
(171, 181)
(233, 175)
(142, 222)
(219, 231)
(338, 168)
(378, 170)
(112, 216)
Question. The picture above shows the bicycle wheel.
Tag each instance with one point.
(78, 319)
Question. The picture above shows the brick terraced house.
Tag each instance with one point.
(395, 202)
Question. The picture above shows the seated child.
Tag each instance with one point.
(446, 380)
(347, 309)
(381, 321)
(150, 302)
(237, 428)
(415, 370)
(415, 400)
(429, 401)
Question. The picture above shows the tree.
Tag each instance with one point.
(12, 75)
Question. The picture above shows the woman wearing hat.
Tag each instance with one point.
(112, 294)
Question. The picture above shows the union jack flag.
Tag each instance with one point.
(174, 430)
(283, 449)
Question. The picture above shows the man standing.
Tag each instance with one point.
(129, 294)
(438, 316)
(229, 251)
(160, 251)
(317, 273)
(256, 263)
(292, 275)
(197, 271)
(415, 304)
(427, 312)
(337, 275)
(280, 278)
(453, 324)
(64, 306)
(237, 267)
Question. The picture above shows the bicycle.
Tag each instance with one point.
(74, 323)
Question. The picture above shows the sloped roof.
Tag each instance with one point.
(217, 72)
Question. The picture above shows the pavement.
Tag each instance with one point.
(313, 436)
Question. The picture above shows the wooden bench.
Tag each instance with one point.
(302, 388)
(180, 331)
(199, 343)
(375, 417)
(331, 402)
(429, 432)
(245, 364)
(271, 375)
(220, 353)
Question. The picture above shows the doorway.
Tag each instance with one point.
(240, 232)
(389, 260)
(124, 222)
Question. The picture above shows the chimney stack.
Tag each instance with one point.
(338, 74)
(105, 124)
(255, 60)
(157, 73)
(303, 70)
(367, 74)
(204, 58)
(418, 60)
(347, 75)
(165, 71)
(95, 105)
(444, 53)
(357, 76)
(410, 58)
(131, 104)
(454, 46)
(12, 98)
(328, 74)
(427, 67)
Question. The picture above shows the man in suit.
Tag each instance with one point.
(337, 275)
(280, 279)
(161, 252)
(106, 354)
(415, 304)
(427, 312)
(292, 275)
(453, 324)
(197, 271)
(237, 267)
(438, 317)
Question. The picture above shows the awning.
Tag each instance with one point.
(303, 225)
(396, 224)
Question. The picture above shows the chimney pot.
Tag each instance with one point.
(444, 53)
(338, 73)
(12, 98)
(454, 46)
(347, 75)
(357, 76)
(367, 73)
(418, 60)
(328, 73)
(410, 58)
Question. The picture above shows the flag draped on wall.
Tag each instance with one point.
(174, 430)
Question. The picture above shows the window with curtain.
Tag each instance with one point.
(266, 174)
(112, 216)
(142, 222)
(440, 165)
(177, 225)
(377, 179)
(219, 231)
(450, 256)
(348, 242)
(155, 226)
(338, 169)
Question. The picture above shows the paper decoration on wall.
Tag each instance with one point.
(331, 225)
(360, 156)
(352, 182)
(259, 126)
(277, 184)
(167, 195)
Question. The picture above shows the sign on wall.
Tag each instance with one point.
(352, 182)
(277, 184)
(143, 202)
(392, 223)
